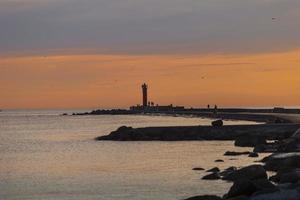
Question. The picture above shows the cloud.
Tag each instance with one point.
(149, 27)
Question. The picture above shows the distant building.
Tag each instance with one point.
(150, 107)
(145, 94)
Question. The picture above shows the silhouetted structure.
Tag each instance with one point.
(145, 94)
(149, 106)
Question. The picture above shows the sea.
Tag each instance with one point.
(47, 156)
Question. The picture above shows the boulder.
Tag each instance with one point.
(246, 187)
(249, 141)
(198, 169)
(290, 177)
(278, 194)
(219, 160)
(282, 161)
(205, 197)
(217, 123)
(227, 171)
(239, 198)
(251, 172)
(291, 144)
(212, 176)
(215, 169)
(296, 134)
(253, 155)
(233, 153)
(265, 148)
(241, 187)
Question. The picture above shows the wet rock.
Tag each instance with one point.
(219, 160)
(282, 161)
(233, 153)
(290, 177)
(278, 194)
(239, 198)
(251, 172)
(198, 169)
(215, 169)
(217, 123)
(253, 155)
(227, 171)
(245, 187)
(212, 176)
(241, 187)
(249, 141)
(275, 178)
(265, 148)
(291, 144)
(205, 197)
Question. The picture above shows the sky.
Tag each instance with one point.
(97, 53)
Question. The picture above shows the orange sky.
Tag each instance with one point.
(107, 81)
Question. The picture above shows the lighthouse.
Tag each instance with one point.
(145, 94)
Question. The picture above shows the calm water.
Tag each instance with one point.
(44, 156)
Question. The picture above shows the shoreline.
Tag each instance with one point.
(187, 133)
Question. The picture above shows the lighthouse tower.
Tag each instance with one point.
(145, 94)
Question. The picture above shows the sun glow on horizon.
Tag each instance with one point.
(106, 81)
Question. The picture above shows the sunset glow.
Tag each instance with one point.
(107, 81)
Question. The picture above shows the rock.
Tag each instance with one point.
(212, 176)
(253, 155)
(290, 177)
(198, 169)
(279, 121)
(275, 178)
(230, 168)
(205, 197)
(215, 169)
(245, 187)
(251, 172)
(227, 171)
(282, 161)
(263, 184)
(291, 144)
(219, 160)
(278, 194)
(296, 134)
(239, 198)
(265, 148)
(249, 141)
(241, 187)
(217, 123)
(233, 153)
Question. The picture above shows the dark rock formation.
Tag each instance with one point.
(233, 153)
(217, 123)
(212, 176)
(282, 161)
(227, 171)
(198, 169)
(214, 170)
(246, 187)
(251, 172)
(290, 177)
(248, 141)
(205, 197)
(291, 144)
(253, 155)
(269, 131)
(266, 148)
(219, 160)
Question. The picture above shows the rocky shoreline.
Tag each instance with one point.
(181, 133)
(252, 182)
